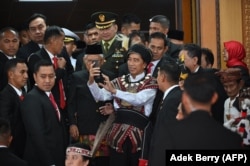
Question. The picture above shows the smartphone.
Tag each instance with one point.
(98, 78)
(97, 63)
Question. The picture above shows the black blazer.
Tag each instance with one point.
(167, 111)
(82, 103)
(158, 96)
(218, 106)
(198, 131)
(7, 158)
(3, 75)
(45, 143)
(25, 51)
(10, 109)
(60, 73)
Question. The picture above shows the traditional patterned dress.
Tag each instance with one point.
(130, 120)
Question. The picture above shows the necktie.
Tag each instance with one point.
(149, 68)
(106, 47)
(61, 88)
(21, 97)
(51, 97)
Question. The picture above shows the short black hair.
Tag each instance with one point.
(52, 31)
(35, 16)
(161, 19)
(158, 35)
(171, 69)
(134, 34)
(209, 56)
(130, 18)
(193, 50)
(88, 26)
(200, 87)
(42, 63)
(5, 29)
(12, 63)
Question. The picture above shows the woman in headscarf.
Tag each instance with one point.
(234, 54)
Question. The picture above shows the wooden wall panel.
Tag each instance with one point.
(187, 22)
(246, 28)
(230, 22)
(208, 26)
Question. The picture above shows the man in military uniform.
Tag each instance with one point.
(70, 42)
(114, 53)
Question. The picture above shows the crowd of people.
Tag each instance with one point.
(116, 97)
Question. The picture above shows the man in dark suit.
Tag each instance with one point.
(10, 99)
(84, 114)
(55, 52)
(160, 23)
(167, 79)
(53, 46)
(9, 44)
(192, 62)
(158, 45)
(113, 49)
(37, 24)
(46, 139)
(198, 130)
(7, 158)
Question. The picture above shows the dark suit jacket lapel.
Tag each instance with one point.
(12, 90)
(156, 68)
(44, 54)
(3, 58)
(169, 94)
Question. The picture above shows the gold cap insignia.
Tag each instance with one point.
(102, 17)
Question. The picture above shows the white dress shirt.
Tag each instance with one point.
(144, 97)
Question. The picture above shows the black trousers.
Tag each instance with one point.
(127, 158)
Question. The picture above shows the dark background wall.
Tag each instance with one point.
(74, 15)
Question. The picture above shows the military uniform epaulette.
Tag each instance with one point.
(124, 39)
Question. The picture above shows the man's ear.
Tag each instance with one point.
(195, 59)
(166, 48)
(184, 100)
(187, 103)
(74, 48)
(34, 76)
(214, 98)
(10, 140)
(241, 83)
(123, 30)
(10, 74)
(116, 27)
(166, 31)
